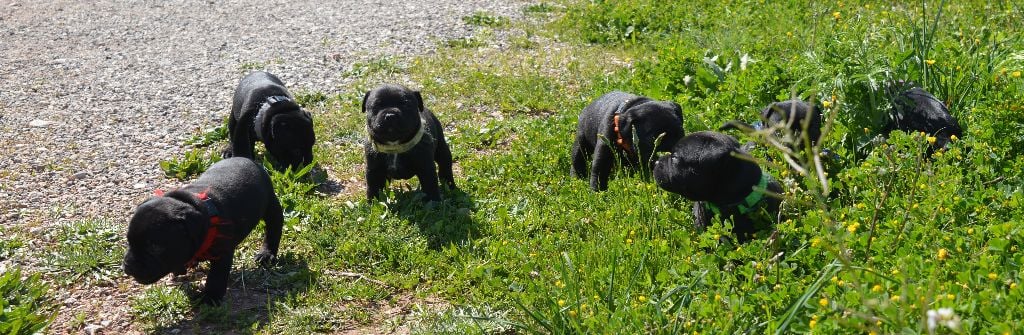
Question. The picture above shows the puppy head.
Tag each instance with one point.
(392, 114)
(648, 121)
(159, 239)
(702, 167)
(792, 114)
(292, 138)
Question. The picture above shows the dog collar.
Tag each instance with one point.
(619, 141)
(750, 202)
(400, 147)
(212, 231)
(270, 101)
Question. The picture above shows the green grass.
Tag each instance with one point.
(86, 251)
(522, 247)
(24, 303)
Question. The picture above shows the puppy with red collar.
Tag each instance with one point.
(204, 221)
(608, 127)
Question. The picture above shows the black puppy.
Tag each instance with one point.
(264, 110)
(793, 114)
(917, 110)
(405, 140)
(204, 221)
(704, 168)
(608, 126)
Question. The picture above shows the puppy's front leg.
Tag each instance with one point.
(241, 143)
(273, 223)
(217, 279)
(376, 175)
(428, 179)
(579, 159)
(701, 216)
(601, 167)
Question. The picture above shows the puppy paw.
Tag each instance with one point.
(265, 258)
(227, 153)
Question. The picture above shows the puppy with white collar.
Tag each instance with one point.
(405, 140)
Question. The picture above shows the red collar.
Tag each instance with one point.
(212, 231)
(621, 142)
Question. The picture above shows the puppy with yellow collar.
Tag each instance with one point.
(404, 140)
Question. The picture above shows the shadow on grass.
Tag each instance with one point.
(250, 297)
(447, 222)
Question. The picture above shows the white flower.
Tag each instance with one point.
(687, 79)
(943, 316)
(744, 61)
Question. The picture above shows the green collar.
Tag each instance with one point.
(752, 200)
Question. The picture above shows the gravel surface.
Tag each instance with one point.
(96, 93)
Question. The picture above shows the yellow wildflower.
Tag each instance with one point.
(826, 103)
(813, 323)
(572, 313)
(970, 231)
(642, 299)
(836, 15)
(629, 241)
(815, 242)
(953, 137)
(1016, 74)
(894, 298)
(929, 61)
(561, 303)
(931, 139)
(823, 302)
(853, 227)
(1013, 285)
(943, 254)
(877, 288)
(992, 276)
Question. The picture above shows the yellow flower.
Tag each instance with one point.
(789, 34)
(629, 241)
(929, 61)
(853, 227)
(950, 296)
(970, 231)
(826, 103)
(559, 284)
(812, 323)
(953, 137)
(877, 288)
(931, 139)
(894, 298)
(1013, 285)
(823, 302)
(992, 276)
(872, 333)
(815, 242)
(1015, 74)
(561, 303)
(718, 297)
(836, 15)
(572, 313)
(866, 130)
(943, 254)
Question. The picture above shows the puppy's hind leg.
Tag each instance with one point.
(601, 169)
(273, 223)
(229, 150)
(443, 157)
(428, 180)
(579, 159)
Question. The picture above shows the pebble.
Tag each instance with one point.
(37, 123)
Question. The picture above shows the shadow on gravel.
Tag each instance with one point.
(251, 294)
(447, 222)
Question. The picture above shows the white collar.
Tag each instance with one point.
(399, 147)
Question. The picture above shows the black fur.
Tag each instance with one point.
(393, 116)
(166, 231)
(283, 126)
(703, 167)
(916, 110)
(792, 114)
(639, 117)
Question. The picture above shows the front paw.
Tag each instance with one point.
(227, 152)
(265, 258)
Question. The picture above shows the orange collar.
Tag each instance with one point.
(621, 142)
(212, 232)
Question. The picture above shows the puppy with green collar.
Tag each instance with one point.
(404, 140)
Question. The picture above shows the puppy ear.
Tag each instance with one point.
(419, 100)
(365, 96)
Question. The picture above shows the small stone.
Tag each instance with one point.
(139, 186)
(105, 323)
(175, 331)
(80, 175)
(37, 123)
(92, 329)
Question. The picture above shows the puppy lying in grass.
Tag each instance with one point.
(625, 126)
(204, 221)
(704, 167)
(405, 140)
(916, 110)
(263, 110)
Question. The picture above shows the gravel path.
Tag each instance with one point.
(96, 93)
